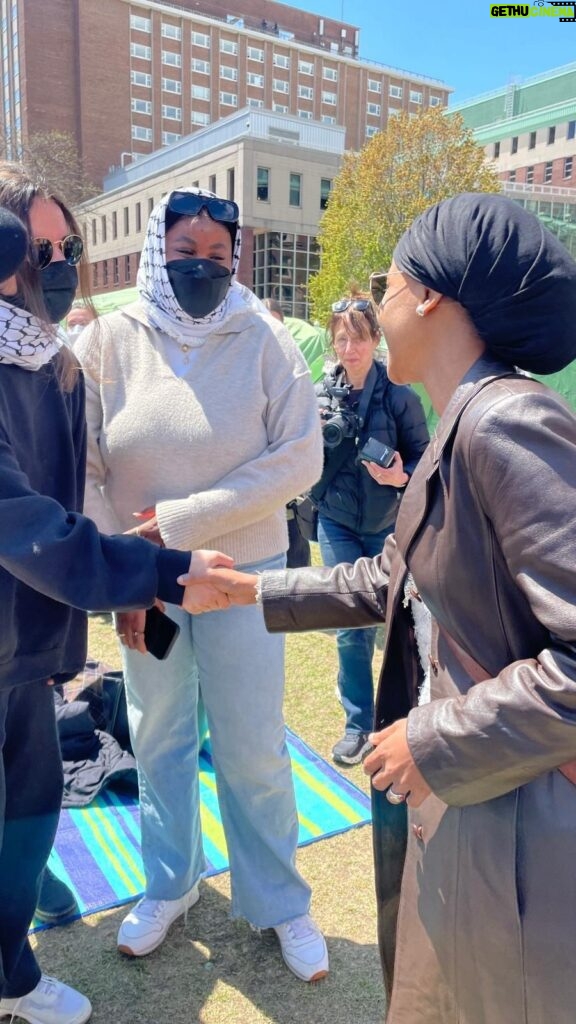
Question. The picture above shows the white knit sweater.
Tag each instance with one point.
(218, 451)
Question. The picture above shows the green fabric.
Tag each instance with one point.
(313, 343)
(110, 301)
(564, 382)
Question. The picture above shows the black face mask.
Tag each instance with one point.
(17, 300)
(59, 283)
(199, 285)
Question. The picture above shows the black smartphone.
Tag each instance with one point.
(376, 451)
(160, 633)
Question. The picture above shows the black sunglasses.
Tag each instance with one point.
(189, 204)
(378, 286)
(362, 305)
(71, 248)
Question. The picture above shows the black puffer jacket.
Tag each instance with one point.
(395, 416)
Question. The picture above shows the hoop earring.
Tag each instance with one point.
(420, 310)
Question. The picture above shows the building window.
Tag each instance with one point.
(212, 183)
(571, 131)
(199, 117)
(171, 31)
(330, 74)
(279, 85)
(230, 182)
(532, 141)
(279, 108)
(371, 131)
(200, 39)
(227, 46)
(105, 273)
(104, 228)
(511, 175)
(306, 115)
(374, 108)
(143, 52)
(552, 135)
(328, 119)
(95, 276)
(496, 150)
(142, 134)
(548, 172)
(127, 270)
(434, 101)
(174, 59)
(171, 85)
(415, 96)
(568, 166)
(282, 265)
(253, 53)
(325, 187)
(255, 103)
(141, 106)
(172, 113)
(228, 99)
(263, 184)
(140, 24)
(305, 67)
(116, 270)
(200, 92)
(138, 209)
(126, 221)
(295, 193)
(395, 91)
(150, 204)
(94, 232)
(256, 80)
(305, 92)
(141, 78)
(330, 98)
(514, 145)
(280, 60)
(201, 66)
(114, 224)
(230, 73)
(529, 175)
(374, 85)
(169, 138)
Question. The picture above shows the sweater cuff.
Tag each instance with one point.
(171, 564)
(174, 523)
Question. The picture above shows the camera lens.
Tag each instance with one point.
(332, 433)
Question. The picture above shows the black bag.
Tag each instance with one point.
(306, 516)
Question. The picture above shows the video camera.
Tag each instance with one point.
(338, 421)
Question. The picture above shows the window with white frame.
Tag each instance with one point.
(172, 113)
(279, 108)
(171, 85)
(394, 111)
(171, 31)
(280, 85)
(330, 74)
(228, 46)
(231, 74)
(141, 78)
(395, 91)
(201, 39)
(143, 52)
(199, 117)
(306, 115)
(305, 92)
(280, 60)
(415, 96)
(263, 184)
(305, 67)
(375, 109)
(371, 130)
(201, 66)
(568, 166)
(168, 138)
(143, 134)
(295, 193)
(257, 80)
(330, 98)
(328, 119)
(252, 102)
(141, 106)
(374, 85)
(200, 92)
(174, 59)
(548, 172)
(254, 53)
(140, 24)
(228, 99)
(434, 101)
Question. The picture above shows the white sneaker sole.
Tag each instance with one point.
(128, 950)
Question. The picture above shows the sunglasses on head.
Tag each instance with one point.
(189, 204)
(71, 248)
(362, 305)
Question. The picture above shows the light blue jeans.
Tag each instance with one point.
(238, 668)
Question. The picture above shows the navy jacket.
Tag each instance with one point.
(54, 564)
(395, 416)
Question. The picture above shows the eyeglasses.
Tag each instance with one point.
(71, 248)
(379, 284)
(189, 204)
(362, 305)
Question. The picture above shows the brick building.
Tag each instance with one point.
(127, 77)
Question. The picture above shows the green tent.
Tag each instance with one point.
(313, 343)
(110, 301)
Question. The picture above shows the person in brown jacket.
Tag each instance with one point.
(474, 797)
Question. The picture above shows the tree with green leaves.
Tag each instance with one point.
(413, 163)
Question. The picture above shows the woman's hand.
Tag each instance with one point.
(394, 476)
(201, 595)
(148, 527)
(130, 629)
(237, 587)
(391, 765)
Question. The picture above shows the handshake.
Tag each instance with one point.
(212, 583)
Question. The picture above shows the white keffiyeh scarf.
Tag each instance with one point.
(24, 340)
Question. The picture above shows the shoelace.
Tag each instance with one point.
(150, 909)
(299, 928)
(47, 985)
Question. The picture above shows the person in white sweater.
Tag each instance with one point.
(202, 417)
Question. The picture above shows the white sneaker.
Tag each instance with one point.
(51, 1002)
(303, 948)
(147, 924)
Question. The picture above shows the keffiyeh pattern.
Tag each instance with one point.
(24, 340)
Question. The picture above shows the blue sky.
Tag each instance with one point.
(457, 42)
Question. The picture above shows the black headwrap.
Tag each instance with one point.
(515, 280)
